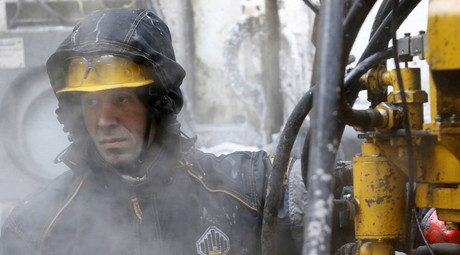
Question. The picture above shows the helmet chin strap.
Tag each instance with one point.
(145, 144)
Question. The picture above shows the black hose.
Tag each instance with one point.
(304, 158)
(318, 217)
(439, 249)
(280, 164)
(312, 6)
(289, 134)
(419, 227)
(361, 118)
(341, 126)
(383, 11)
(353, 22)
(382, 35)
(351, 98)
(365, 65)
(379, 41)
(352, 25)
(407, 136)
(376, 42)
(350, 79)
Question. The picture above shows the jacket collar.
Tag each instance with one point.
(156, 168)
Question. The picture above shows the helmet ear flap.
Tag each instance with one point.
(155, 98)
(69, 114)
(165, 105)
(161, 111)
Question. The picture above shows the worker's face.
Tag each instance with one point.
(116, 121)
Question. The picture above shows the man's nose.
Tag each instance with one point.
(107, 116)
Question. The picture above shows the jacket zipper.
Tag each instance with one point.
(137, 209)
(138, 212)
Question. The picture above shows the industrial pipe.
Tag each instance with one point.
(318, 215)
(384, 9)
(312, 6)
(410, 154)
(280, 164)
(439, 249)
(360, 68)
(368, 118)
(379, 40)
(350, 79)
(382, 35)
(364, 66)
(353, 22)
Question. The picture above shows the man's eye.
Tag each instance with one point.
(122, 99)
(89, 102)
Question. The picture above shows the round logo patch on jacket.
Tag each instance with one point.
(213, 242)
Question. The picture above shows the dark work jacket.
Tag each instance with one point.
(201, 204)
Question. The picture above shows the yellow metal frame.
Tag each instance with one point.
(380, 192)
(381, 170)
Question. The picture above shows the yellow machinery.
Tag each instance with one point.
(380, 172)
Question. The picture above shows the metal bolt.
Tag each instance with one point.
(438, 119)
(453, 118)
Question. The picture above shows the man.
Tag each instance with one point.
(136, 186)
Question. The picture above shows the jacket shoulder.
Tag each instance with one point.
(241, 174)
(28, 222)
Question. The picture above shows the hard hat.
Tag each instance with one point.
(138, 36)
(102, 72)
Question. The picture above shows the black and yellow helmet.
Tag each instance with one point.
(117, 48)
(96, 73)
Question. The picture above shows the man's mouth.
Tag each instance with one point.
(112, 142)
